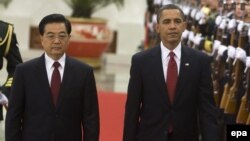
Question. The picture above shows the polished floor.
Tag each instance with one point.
(109, 77)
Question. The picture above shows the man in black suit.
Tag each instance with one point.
(35, 113)
(9, 50)
(151, 113)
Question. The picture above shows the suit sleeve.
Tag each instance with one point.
(13, 123)
(133, 103)
(13, 58)
(208, 112)
(91, 121)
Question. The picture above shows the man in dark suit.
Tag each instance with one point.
(152, 114)
(9, 50)
(36, 111)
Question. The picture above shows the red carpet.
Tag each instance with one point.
(111, 114)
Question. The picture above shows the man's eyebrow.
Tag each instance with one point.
(177, 18)
(49, 32)
(62, 32)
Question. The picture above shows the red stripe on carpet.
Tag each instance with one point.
(111, 106)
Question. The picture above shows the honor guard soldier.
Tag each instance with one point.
(10, 51)
(149, 23)
(234, 97)
(243, 98)
(151, 37)
(206, 27)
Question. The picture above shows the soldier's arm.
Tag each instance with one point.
(13, 58)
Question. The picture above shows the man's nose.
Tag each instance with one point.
(57, 39)
(172, 25)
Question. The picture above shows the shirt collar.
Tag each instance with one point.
(165, 51)
(49, 61)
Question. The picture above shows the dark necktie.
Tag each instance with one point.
(55, 82)
(172, 76)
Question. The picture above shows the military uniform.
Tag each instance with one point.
(10, 51)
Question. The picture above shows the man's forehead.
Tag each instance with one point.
(55, 26)
(171, 13)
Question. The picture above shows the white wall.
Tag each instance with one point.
(24, 13)
(128, 20)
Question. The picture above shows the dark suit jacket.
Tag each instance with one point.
(32, 115)
(148, 109)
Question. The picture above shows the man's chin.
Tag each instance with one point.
(173, 40)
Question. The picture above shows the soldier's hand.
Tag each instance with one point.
(3, 99)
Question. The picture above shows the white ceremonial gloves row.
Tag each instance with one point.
(196, 39)
(234, 53)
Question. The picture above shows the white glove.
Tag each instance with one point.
(185, 34)
(151, 26)
(223, 24)
(248, 62)
(3, 99)
(154, 18)
(186, 10)
(202, 21)
(240, 26)
(193, 12)
(232, 24)
(197, 39)
(241, 54)
(191, 36)
(222, 49)
(216, 45)
(231, 52)
(218, 20)
(198, 16)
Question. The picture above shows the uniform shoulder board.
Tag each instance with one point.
(5, 36)
(4, 26)
(3, 22)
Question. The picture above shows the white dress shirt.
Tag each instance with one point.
(49, 66)
(165, 58)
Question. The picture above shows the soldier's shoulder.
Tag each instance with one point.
(5, 23)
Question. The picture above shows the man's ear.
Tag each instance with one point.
(41, 38)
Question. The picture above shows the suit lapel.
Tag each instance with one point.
(157, 62)
(43, 80)
(65, 82)
(42, 77)
(184, 71)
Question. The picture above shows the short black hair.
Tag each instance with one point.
(167, 7)
(54, 18)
